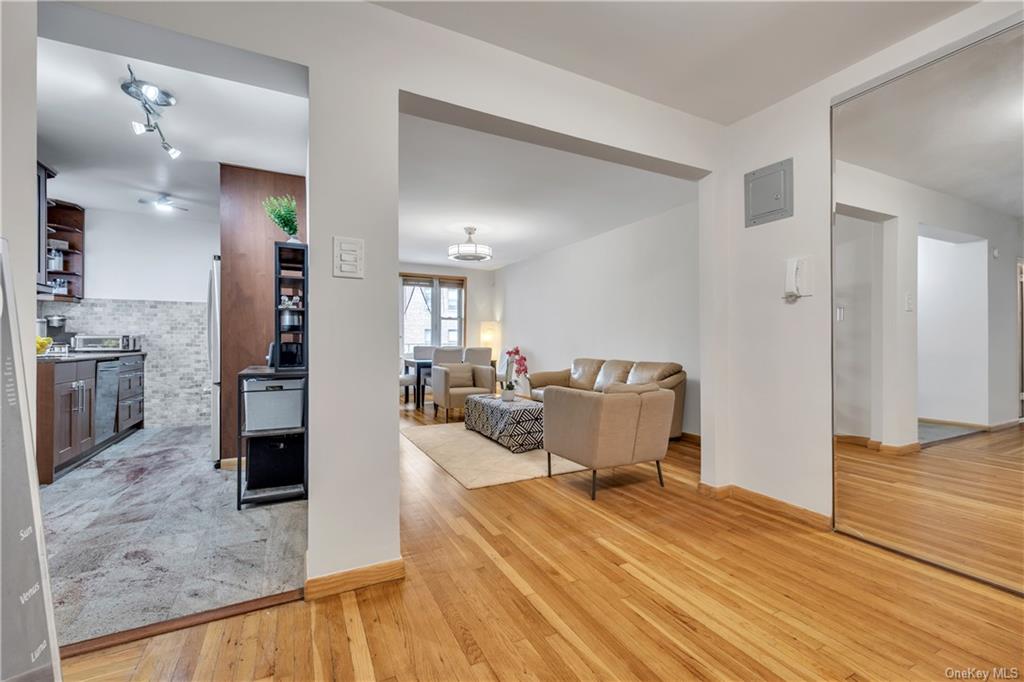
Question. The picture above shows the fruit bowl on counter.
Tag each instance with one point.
(43, 344)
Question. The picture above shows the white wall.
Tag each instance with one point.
(18, 166)
(952, 330)
(479, 293)
(857, 245)
(630, 293)
(765, 413)
(359, 57)
(137, 256)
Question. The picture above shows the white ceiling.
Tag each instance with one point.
(718, 60)
(523, 198)
(85, 133)
(956, 127)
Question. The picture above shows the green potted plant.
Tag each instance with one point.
(282, 211)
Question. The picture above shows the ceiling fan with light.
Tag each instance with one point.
(164, 203)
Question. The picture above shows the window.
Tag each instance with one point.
(424, 324)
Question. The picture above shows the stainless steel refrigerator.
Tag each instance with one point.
(213, 342)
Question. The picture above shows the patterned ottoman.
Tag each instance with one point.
(518, 425)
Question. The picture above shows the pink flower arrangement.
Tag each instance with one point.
(516, 363)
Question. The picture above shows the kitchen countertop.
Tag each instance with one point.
(266, 371)
(75, 357)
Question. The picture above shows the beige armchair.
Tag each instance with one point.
(589, 374)
(453, 382)
(626, 424)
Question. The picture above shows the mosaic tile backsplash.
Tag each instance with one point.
(174, 339)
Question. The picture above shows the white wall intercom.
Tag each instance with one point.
(799, 278)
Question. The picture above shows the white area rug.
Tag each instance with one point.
(479, 462)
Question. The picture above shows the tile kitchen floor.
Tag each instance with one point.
(147, 530)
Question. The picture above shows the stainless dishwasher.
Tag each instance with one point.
(107, 376)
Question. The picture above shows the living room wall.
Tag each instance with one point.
(629, 293)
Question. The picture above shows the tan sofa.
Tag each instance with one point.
(588, 374)
(626, 424)
(453, 382)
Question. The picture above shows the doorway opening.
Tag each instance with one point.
(506, 282)
(157, 287)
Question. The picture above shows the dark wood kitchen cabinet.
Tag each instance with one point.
(43, 175)
(130, 392)
(66, 410)
(85, 419)
(65, 424)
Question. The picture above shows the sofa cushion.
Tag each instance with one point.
(457, 396)
(646, 372)
(584, 373)
(613, 371)
(619, 387)
(537, 394)
(460, 374)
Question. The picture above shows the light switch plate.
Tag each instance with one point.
(349, 257)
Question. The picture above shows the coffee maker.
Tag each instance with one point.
(56, 329)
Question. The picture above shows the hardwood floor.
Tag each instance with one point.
(534, 581)
(958, 503)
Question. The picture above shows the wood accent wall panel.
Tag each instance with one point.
(247, 239)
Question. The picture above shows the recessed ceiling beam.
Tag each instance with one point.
(452, 114)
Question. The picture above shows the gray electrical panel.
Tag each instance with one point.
(768, 193)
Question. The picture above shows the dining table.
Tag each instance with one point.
(420, 390)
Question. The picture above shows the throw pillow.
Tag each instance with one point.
(460, 375)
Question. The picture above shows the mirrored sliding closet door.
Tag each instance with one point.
(927, 248)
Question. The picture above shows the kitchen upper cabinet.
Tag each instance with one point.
(43, 174)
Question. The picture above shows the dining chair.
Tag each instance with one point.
(406, 380)
(447, 355)
(478, 356)
(422, 353)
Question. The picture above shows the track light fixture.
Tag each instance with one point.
(151, 98)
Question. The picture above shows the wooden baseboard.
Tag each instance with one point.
(163, 627)
(908, 449)
(970, 425)
(229, 463)
(719, 492)
(770, 504)
(884, 448)
(691, 438)
(953, 422)
(346, 581)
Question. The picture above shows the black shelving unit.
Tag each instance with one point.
(257, 485)
(291, 279)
